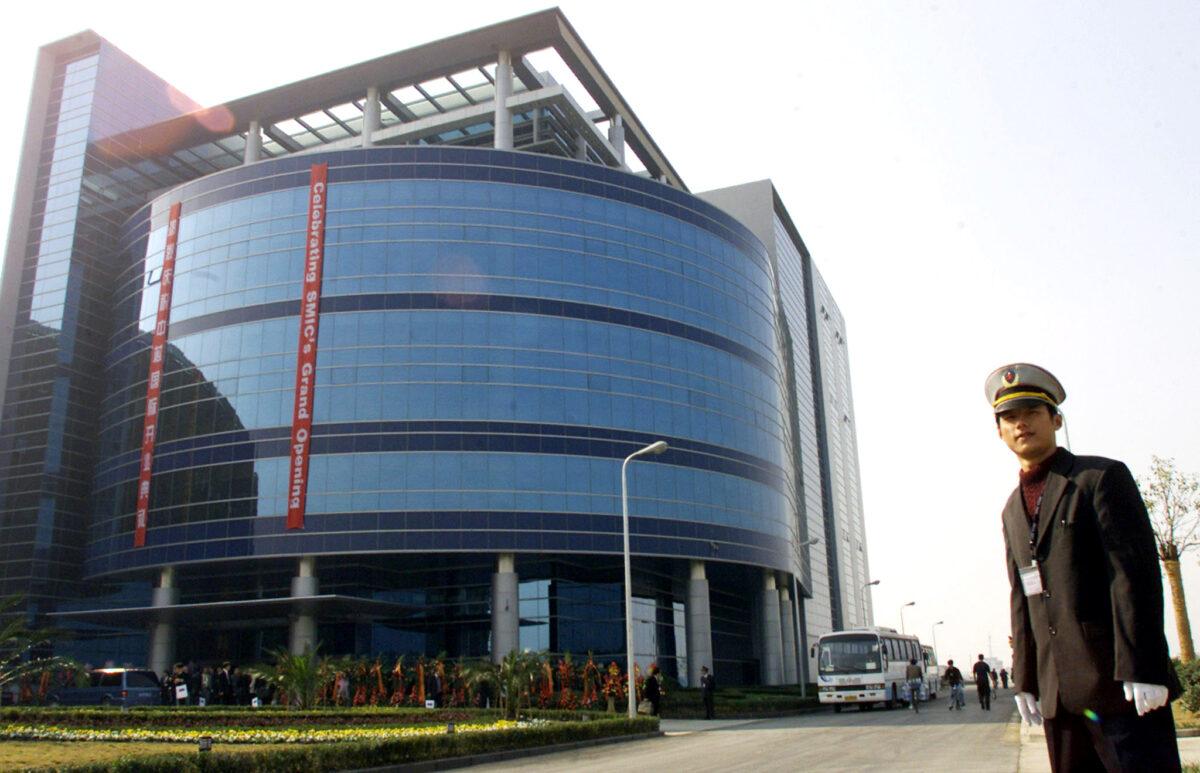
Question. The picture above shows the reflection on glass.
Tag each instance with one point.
(849, 655)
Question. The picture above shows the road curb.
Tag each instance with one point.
(451, 763)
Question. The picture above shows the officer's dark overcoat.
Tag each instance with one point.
(1099, 620)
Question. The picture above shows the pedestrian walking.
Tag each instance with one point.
(954, 678)
(914, 675)
(1089, 653)
(652, 690)
(983, 683)
(708, 685)
(1004, 678)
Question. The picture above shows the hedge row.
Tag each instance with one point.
(261, 718)
(352, 756)
(684, 703)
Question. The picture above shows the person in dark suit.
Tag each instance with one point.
(224, 685)
(708, 685)
(652, 690)
(983, 685)
(1087, 604)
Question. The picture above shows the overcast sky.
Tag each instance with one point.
(978, 183)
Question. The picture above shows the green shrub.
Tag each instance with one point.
(347, 756)
(741, 702)
(1189, 678)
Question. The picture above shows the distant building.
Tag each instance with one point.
(516, 292)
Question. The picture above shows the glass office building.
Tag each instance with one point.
(516, 293)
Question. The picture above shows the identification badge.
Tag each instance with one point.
(1031, 580)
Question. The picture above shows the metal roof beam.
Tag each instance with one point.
(281, 139)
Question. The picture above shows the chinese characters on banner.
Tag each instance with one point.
(306, 355)
(158, 346)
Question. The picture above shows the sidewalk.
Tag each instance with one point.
(1034, 758)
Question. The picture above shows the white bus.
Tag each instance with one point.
(865, 666)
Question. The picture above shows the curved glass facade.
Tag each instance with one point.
(498, 331)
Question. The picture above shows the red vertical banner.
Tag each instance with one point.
(158, 347)
(306, 354)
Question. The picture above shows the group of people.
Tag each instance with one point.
(988, 681)
(223, 685)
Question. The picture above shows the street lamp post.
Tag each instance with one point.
(864, 601)
(654, 448)
(933, 634)
(909, 604)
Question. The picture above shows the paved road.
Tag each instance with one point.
(935, 739)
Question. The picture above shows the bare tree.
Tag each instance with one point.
(1173, 499)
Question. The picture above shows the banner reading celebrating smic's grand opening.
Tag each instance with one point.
(306, 355)
(158, 346)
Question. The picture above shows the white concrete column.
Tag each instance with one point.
(537, 124)
(616, 137)
(787, 627)
(772, 637)
(162, 630)
(253, 143)
(699, 624)
(506, 621)
(370, 116)
(303, 633)
(581, 147)
(503, 119)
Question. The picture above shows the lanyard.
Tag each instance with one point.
(1033, 524)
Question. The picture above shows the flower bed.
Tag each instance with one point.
(242, 717)
(315, 758)
(14, 732)
(185, 717)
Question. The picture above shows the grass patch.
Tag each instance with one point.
(1183, 717)
(19, 755)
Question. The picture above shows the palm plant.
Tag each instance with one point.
(300, 677)
(517, 674)
(18, 642)
(480, 673)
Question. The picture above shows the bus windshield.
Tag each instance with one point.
(849, 655)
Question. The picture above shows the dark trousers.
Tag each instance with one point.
(985, 695)
(1123, 742)
(708, 705)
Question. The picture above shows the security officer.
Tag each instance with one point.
(1087, 604)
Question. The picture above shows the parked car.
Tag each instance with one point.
(111, 687)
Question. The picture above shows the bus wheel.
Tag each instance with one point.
(890, 703)
(864, 706)
(837, 709)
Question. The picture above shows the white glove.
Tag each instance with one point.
(1146, 697)
(1028, 709)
